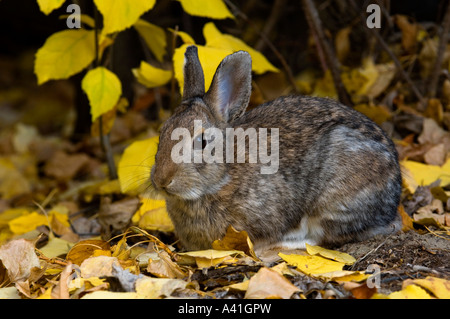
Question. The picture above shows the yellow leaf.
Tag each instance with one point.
(331, 254)
(147, 204)
(26, 223)
(312, 265)
(210, 59)
(10, 214)
(47, 6)
(210, 257)
(150, 76)
(214, 9)
(156, 219)
(237, 240)
(324, 87)
(410, 292)
(103, 89)
(437, 286)
(419, 174)
(154, 37)
(85, 249)
(215, 39)
(187, 39)
(56, 247)
(64, 54)
(136, 163)
(377, 113)
(83, 282)
(344, 275)
(121, 14)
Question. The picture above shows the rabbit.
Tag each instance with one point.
(338, 178)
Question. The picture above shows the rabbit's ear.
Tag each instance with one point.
(231, 87)
(194, 81)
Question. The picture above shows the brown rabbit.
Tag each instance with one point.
(336, 179)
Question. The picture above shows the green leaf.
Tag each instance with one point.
(64, 54)
(154, 37)
(214, 9)
(150, 76)
(121, 14)
(103, 89)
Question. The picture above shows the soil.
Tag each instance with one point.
(403, 256)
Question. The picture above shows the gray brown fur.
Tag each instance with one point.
(338, 178)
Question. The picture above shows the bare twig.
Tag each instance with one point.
(312, 16)
(443, 39)
(275, 13)
(269, 43)
(104, 138)
(391, 54)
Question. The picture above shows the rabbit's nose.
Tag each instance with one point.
(162, 181)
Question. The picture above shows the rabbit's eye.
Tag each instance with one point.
(200, 142)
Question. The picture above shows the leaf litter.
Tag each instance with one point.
(66, 231)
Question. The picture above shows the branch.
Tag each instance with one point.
(286, 67)
(312, 16)
(391, 54)
(443, 39)
(104, 138)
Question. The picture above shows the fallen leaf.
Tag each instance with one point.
(312, 265)
(342, 43)
(410, 292)
(26, 223)
(14, 182)
(331, 254)
(377, 113)
(434, 110)
(85, 249)
(19, 258)
(360, 290)
(61, 290)
(267, 283)
(9, 293)
(407, 223)
(102, 294)
(439, 287)
(157, 219)
(117, 215)
(435, 155)
(98, 266)
(208, 258)
(63, 166)
(235, 240)
(151, 288)
(56, 247)
(164, 267)
(409, 32)
(423, 174)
